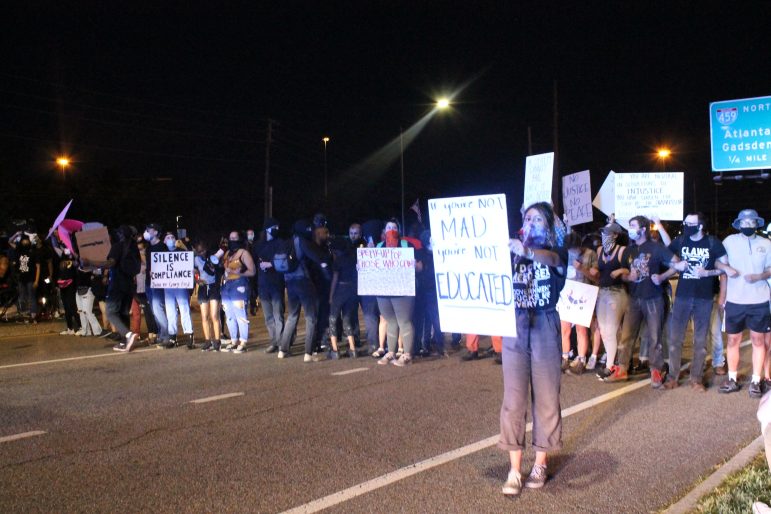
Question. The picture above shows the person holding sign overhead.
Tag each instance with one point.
(531, 360)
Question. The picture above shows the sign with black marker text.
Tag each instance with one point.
(171, 270)
(577, 198)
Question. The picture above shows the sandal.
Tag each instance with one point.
(378, 353)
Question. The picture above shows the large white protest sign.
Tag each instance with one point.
(649, 194)
(472, 265)
(171, 270)
(386, 271)
(576, 303)
(539, 171)
(577, 197)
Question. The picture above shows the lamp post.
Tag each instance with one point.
(326, 190)
(664, 154)
(63, 163)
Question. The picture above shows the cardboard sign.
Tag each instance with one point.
(539, 172)
(94, 245)
(649, 194)
(577, 197)
(171, 270)
(386, 271)
(472, 265)
(576, 303)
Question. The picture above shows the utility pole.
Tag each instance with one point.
(266, 193)
(401, 158)
(556, 192)
(529, 140)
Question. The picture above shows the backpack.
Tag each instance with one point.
(287, 261)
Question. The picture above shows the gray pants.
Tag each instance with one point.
(397, 311)
(652, 312)
(684, 309)
(531, 372)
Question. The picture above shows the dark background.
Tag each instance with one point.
(164, 111)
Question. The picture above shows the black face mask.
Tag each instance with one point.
(747, 231)
(690, 231)
(234, 245)
(273, 232)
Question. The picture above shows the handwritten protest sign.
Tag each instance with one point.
(649, 194)
(94, 245)
(386, 271)
(577, 197)
(539, 170)
(576, 303)
(472, 265)
(171, 270)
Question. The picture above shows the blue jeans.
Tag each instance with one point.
(371, 320)
(174, 298)
(158, 306)
(27, 298)
(650, 310)
(716, 335)
(117, 308)
(235, 296)
(684, 309)
(300, 293)
(273, 309)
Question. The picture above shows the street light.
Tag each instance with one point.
(325, 140)
(442, 103)
(664, 154)
(63, 163)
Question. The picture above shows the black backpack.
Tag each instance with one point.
(286, 261)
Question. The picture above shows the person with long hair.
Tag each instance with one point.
(239, 267)
(209, 295)
(531, 360)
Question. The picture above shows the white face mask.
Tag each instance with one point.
(147, 236)
(634, 234)
(170, 244)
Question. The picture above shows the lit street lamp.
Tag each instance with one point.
(63, 163)
(664, 154)
(326, 192)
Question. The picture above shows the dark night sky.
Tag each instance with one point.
(135, 94)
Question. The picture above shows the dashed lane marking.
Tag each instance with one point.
(349, 371)
(215, 398)
(23, 435)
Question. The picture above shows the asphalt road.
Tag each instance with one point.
(121, 434)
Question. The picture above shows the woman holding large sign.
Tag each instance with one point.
(532, 358)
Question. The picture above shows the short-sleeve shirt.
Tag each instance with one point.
(646, 259)
(747, 255)
(702, 253)
(537, 286)
(25, 266)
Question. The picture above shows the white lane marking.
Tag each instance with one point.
(215, 398)
(54, 361)
(400, 474)
(348, 372)
(23, 435)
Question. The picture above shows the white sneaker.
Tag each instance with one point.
(513, 485)
(308, 358)
(760, 508)
(81, 333)
(402, 361)
(230, 347)
(68, 332)
(592, 362)
(241, 348)
(281, 355)
(385, 359)
(131, 338)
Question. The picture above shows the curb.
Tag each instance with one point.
(737, 462)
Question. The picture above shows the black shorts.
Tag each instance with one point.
(209, 292)
(756, 317)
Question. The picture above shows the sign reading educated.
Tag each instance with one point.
(577, 197)
(576, 303)
(386, 271)
(740, 134)
(539, 172)
(472, 265)
(649, 194)
(171, 270)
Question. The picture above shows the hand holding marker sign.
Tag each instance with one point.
(472, 264)
(629, 194)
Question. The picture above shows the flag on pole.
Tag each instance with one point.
(416, 207)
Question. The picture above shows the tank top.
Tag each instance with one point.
(606, 268)
(234, 265)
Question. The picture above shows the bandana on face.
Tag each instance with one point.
(608, 242)
(535, 236)
(392, 238)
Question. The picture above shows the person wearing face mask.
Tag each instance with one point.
(747, 264)
(67, 273)
(209, 296)
(612, 297)
(642, 261)
(177, 298)
(27, 270)
(239, 266)
(251, 246)
(531, 360)
(271, 285)
(155, 296)
(694, 296)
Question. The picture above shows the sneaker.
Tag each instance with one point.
(537, 477)
(114, 336)
(402, 361)
(104, 333)
(319, 356)
(333, 356)
(498, 359)
(230, 347)
(206, 346)
(378, 353)
(604, 373)
(171, 344)
(271, 349)
(591, 363)
(576, 368)
(513, 485)
(241, 348)
(765, 385)
(215, 346)
(385, 359)
(120, 347)
(470, 356)
(81, 333)
(698, 386)
(642, 367)
(190, 341)
(671, 384)
(657, 380)
(760, 508)
(307, 358)
(68, 332)
(131, 338)
(755, 390)
(282, 355)
(617, 375)
(565, 364)
(729, 386)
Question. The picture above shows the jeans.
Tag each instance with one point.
(532, 374)
(397, 311)
(235, 296)
(88, 320)
(27, 298)
(685, 308)
(371, 320)
(273, 309)
(174, 298)
(117, 309)
(345, 301)
(300, 293)
(650, 310)
(158, 305)
(611, 305)
(716, 335)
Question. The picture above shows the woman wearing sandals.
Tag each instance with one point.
(239, 266)
(532, 359)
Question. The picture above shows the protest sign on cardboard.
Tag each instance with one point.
(93, 245)
(539, 172)
(472, 265)
(386, 271)
(171, 270)
(649, 194)
(577, 198)
(576, 303)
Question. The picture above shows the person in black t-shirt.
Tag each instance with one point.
(695, 296)
(343, 297)
(27, 269)
(270, 284)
